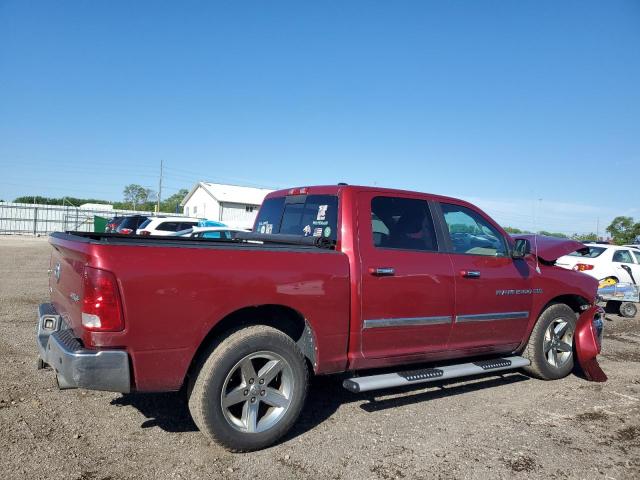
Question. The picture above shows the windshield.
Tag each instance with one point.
(304, 215)
(592, 253)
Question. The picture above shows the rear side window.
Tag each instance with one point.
(185, 225)
(622, 256)
(402, 223)
(592, 253)
(637, 255)
(471, 233)
(304, 215)
(145, 223)
(169, 227)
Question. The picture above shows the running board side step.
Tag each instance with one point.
(413, 377)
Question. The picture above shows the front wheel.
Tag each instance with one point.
(550, 346)
(250, 390)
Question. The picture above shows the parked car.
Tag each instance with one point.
(209, 232)
(635, 245)
(347, 279)
(164, 226)
(130, 224)
(607, 263)
(112, 224)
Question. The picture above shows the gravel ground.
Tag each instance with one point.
(495, 427)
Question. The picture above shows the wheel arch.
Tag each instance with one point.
(281, 317)
(574, 301)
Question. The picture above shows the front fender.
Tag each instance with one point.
(588, 341)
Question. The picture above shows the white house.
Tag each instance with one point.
(233, 205)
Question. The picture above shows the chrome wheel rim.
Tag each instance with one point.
(257, 392)
(558, 343)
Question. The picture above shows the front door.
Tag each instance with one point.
(493, 291)
(407, 282)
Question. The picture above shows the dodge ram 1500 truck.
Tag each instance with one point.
(332, 279)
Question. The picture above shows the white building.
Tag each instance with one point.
(233, 205)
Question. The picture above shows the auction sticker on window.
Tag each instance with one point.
(322, 212)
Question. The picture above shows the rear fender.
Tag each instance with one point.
(588, 341)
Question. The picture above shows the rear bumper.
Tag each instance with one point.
(76, 366)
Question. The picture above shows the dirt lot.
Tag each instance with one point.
(509, 427)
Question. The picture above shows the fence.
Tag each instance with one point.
(24, 218)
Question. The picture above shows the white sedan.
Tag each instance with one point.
(605, 262)
(165, 226)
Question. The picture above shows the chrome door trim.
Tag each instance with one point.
(490, 317)
(405, 322)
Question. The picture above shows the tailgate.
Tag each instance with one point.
(68, 258)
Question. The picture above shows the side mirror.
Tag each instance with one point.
(521, 249)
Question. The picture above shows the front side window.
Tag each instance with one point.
(622, 256)
(402, 223)
(303, 215)
(471, 233)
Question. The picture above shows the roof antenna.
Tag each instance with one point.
(535, 234)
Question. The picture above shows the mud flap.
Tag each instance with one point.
(588, 342)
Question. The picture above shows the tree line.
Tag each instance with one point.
(135, 197)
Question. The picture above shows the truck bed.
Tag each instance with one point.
(179, 289)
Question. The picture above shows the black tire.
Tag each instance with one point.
(628, 309)
(537, 349)
(224, 365)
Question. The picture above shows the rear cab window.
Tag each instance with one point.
(303, 215)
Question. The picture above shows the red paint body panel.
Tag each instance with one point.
(587, 345)
(174, 295)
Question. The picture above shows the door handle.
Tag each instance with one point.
(470, 273)
(382, 271)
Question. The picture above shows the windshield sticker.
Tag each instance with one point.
(317, 232)
(322, 212)
(307, 230)
(269, 228)
(263, 228)
(327, 231)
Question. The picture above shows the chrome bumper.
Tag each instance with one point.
(76, 366)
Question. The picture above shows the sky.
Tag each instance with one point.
(530, 109)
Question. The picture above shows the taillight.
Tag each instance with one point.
(101, 306)
(581, 267)
(126, 231)
(145, 232)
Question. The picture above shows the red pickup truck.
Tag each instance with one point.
(332, 279)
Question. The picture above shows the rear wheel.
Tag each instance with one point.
(628, 309)
(250, 390)
(550, 346)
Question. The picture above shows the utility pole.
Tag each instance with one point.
(597, 229)
(159, 188)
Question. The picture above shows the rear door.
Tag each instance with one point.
(627, 270)
(493, 291)
(407, 282)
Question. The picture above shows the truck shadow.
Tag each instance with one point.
(326, 395)
(170, 411)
